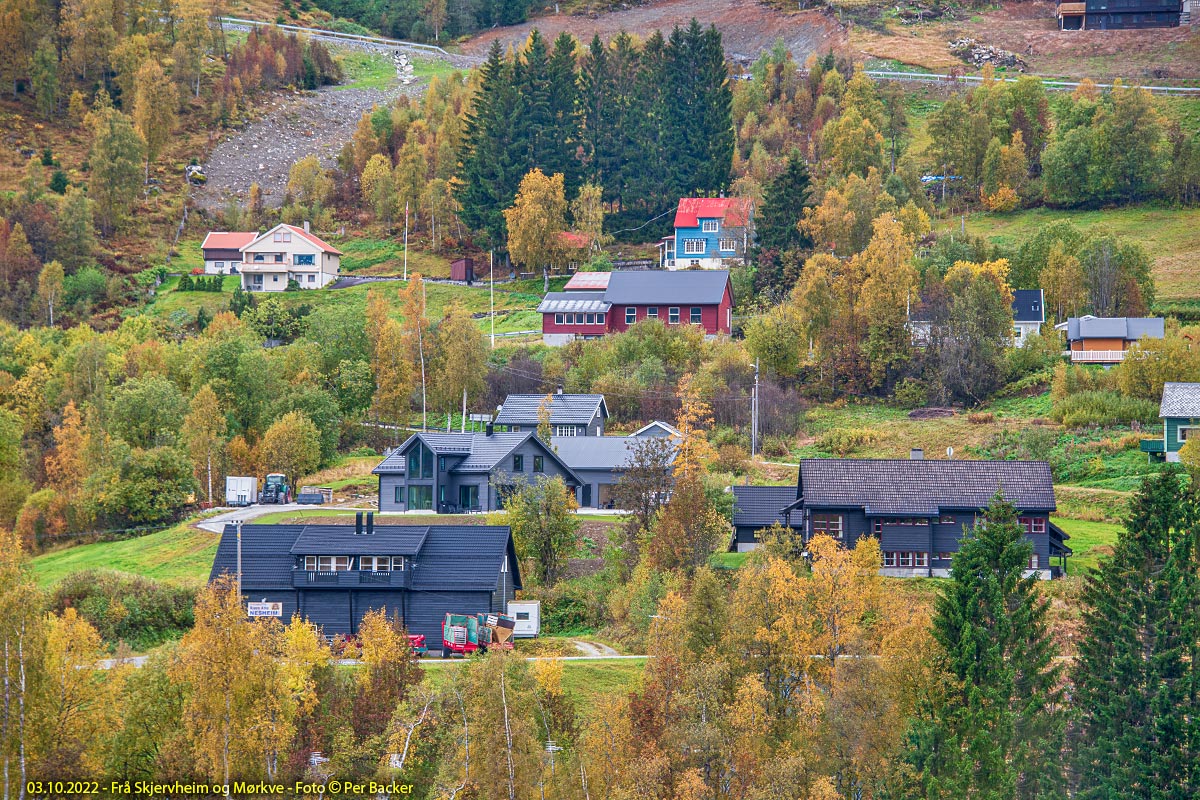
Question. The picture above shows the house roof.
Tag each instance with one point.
(648, 428)
(1028, 306)
(578, 241)
(303, 234)
(1128, 328)
(760, 506)
(558, 302)
(228, 240)
(565, 409)
(683, 287)
(446, 557)
(922, 487)
(588, 281)
(482, 452)
(731, 210)
(1180, 400)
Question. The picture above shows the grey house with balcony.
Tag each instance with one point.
(918, 509)
(334, 574)
(452, 473)
(570, 414)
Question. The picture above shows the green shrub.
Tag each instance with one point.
(1103, 408)
(844, 441)
(122, 607)
(911, 393)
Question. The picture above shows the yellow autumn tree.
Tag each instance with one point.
(843, 592)
(536, 222)
(693, 449)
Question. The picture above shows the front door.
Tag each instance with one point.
(587, 496)
(468, 497)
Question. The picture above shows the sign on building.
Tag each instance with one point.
(264, 609)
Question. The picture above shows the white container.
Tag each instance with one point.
(240, 491)
(528, 615)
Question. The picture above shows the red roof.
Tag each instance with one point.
(588, 281)
(328, 248)
(579, 241)
(732, 210)
(222, 240)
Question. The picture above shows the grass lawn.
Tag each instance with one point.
(168, 302)
(727, 560)
(363, 70)
(1089, 541)
(372, 256)
(181, 554)
(1170, 235)
(587, 681)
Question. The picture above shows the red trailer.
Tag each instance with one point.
(463, 634)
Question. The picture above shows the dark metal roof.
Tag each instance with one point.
(923, 487)
(341, 540)
(1028, 306)
(1180, 400)
(1128, 328)
(594, 452)
(446, 557)
(761, 506)
(683, 287)
(557, 302)
(483, 452)
(565, 409)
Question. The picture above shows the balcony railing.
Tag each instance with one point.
(394, 579)
(1097, 356)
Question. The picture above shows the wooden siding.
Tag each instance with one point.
(1172, 426)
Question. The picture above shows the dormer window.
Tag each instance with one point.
(381, 563)
(709, 226)
(327, 563)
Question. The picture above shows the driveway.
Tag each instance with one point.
(217, 524)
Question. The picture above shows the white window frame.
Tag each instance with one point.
(1033, 561)
(630, 315)
(558, 319)
(312, 260)
(1183, 431)
(831, 525)
(696, 315)
(921, 559)
(312, 278)
(219, 265)
(591, 319)
(709, 226)
(283, 236)
(889, 559)
(651, 312)
(566, 430)
(327, 563)
(673, 315)
(728, 245)
(693, 247)
(600, 318)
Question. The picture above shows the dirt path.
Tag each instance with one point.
(747, 27)
(595, 649)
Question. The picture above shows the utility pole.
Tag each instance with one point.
(492, 291)
(405, 240)
(754, 414)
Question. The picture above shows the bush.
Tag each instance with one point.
(981, 417)
(844, 441)
(1038, 354)
(777, 446)
(911, 393)
(1103, 408)
(122, 607)
(85, 286)
(730, 458)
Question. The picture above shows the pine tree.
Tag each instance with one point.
(1137, 673)
(995, 728)
(562, 78)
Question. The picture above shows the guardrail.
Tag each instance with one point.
(931, 77)
(355, 37)
(1097, 356)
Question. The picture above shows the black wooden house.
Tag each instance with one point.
(334, 574)
(1118, 14)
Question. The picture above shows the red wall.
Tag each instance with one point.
(715, 319)
(550, 326)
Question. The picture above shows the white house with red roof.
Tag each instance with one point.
(223, 251)
(710, 233)
(288, 253)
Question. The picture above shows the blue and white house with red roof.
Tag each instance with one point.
(710, 233)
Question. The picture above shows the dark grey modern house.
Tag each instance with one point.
(453, 473)
(917, 508)
(570, 414)
(333, 574)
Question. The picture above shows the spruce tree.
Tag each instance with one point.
(595, 91)
(994, 729)
(783, 206)
(1137, 677)
(563, 79)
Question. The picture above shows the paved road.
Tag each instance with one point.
(217, 524)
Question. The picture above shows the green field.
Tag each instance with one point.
(587, 681)
(181, 554)
(363, 70)
(1089, 541)
(1170, 235)
(371, 256)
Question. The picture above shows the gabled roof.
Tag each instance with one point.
(577, 241)
(588, 281)
(227, 240)
(565, 409)
(761, 506)
(683, 287)
(558, 302)
(922, 487)
(731, 210)
(446, 557)
(1128, 328)
(482, 452)
(303, 234)
(649, 429)
(1180, 400)
(1028, 306)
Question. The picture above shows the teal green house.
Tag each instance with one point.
(1180, 412)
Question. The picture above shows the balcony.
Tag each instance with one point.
(1097, 356)
(352, 579)
(1072, 9)
(1153, 446)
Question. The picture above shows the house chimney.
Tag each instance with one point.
(357, 523)
(560, 389)
(916, 454)
(490, 429)
(370, 522)
(306, 227)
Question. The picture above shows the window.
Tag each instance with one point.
(673, 315)
(600, 319)
(522, 616)
(828, 524)
(279, 258)
(376, 563)
(906, 559)
(565, 430)
(946, 556)
(697, 315)
(283, 236)
(579, 319)
(303, 259)
(441, 463)
(219, 264)
(920, 559)
(652, 312)
(539, 463)
(708, 226)
(728, 245)
(591, 319)
(630, 315)
(1033, 561)
(1034, 525)
(398, 563)
(889, 559)
(274, 279)
(420, 498)
(312, 278)
(693, 247)
(260, 257)
(518, 463)
(1185, 432)
(399, 498)
(414, 462)
(558, 319)
(468, 497)
(946, 519)
(326, 563)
